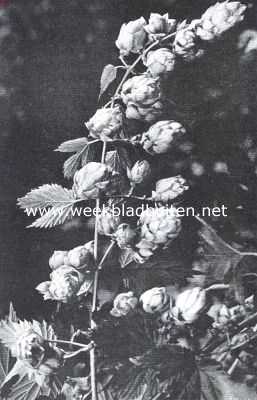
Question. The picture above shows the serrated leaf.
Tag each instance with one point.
(72, 146)
(24, 383)
(54, 217)
(46, 196)
(126, 257)
(108, 76)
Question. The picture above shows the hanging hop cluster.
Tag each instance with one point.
(70, 270)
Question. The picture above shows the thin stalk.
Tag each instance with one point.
(94, 301)
(70, 343)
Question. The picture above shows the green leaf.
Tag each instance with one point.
(46, 196)
(72, 146)
(108, 76)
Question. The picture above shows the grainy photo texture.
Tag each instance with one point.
(128, 201)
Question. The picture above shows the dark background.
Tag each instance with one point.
(51, 57)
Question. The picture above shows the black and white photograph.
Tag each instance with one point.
(128, 201)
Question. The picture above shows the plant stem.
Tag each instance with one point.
(94, 301)
(70, 343)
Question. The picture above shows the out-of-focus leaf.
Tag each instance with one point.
(72, 146)
(217, 386)
(220, 260)
(108, 76)
(170, 370)
(45, 196)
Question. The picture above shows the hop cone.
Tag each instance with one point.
(160, 62)
(159, 226)
(143, 98)
(219, 18)
(108, 222)
(186, 44)
(106, 122)
(162, 137)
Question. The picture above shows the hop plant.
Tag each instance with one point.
(158, 227)
(105, 123)
(80, 257)
(159, 25)
(154, 300)
(219, 18)
(139, 173)
(132, 37)
(108, 221)
(186, 44)
(143, 97)
(160, 62)
(169, 188)
(189, 305)
(125, 236)
(64, 284)
(123, 304)
(162, 137)
(91, 180)
(58, 258)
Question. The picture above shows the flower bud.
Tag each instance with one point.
(160, 62)
(169, 188)
(125, 236)
(64, 285)
(143, 97)
(139, 172)
(186, 44)
(123, 304)
(108, 222)
(132, 37)
(58, 258)
(105, 123)
(219, 18)
(154, 300)
(159, 25)
(189, 304)
(91, 180)
(162, 137)
(158, 227)
(80, 257)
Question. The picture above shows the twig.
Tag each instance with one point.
(69, 342)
